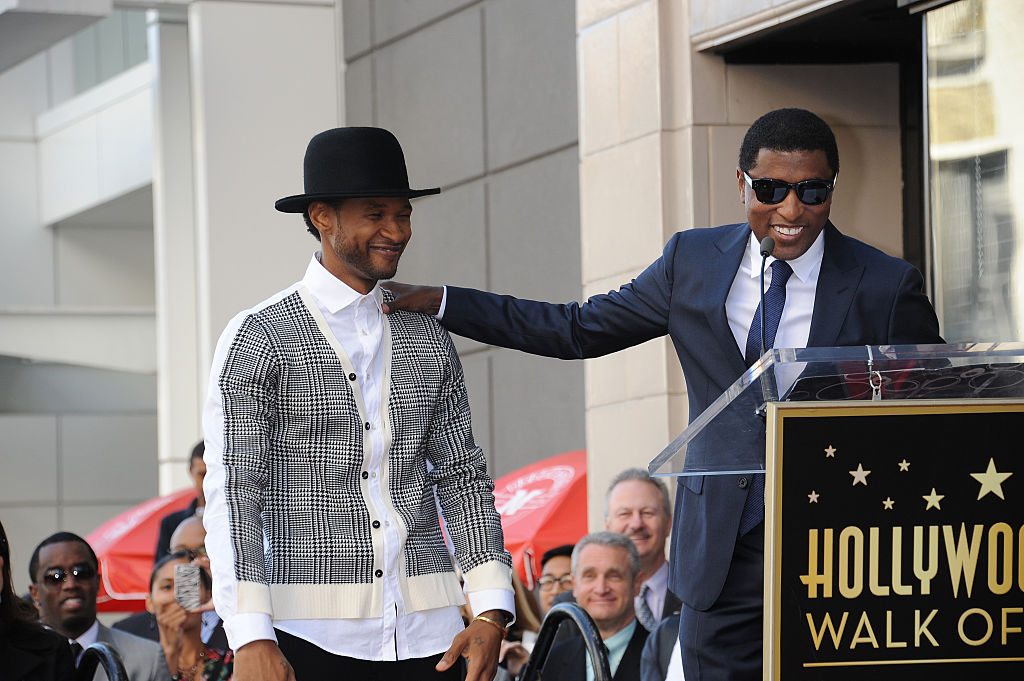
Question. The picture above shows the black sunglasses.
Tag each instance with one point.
(771, 191)
(56, 576)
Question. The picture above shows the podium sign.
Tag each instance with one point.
(895, 540)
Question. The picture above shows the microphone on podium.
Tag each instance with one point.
(767, 246)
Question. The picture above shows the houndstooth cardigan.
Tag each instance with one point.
(295, 468)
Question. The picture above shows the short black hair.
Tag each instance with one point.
(178, 555)
(309, 224)
(197, 453)
(563, 550)
(57, 538)
(789, 130)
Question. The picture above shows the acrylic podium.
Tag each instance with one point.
(894, 506)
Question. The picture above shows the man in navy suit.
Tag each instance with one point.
(703, 292)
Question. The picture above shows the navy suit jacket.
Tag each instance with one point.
(567, 661)
(863, 297)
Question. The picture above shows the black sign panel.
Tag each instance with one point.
(898, 541)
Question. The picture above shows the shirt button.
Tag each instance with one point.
(378, 573)
(373, 474)
(367, 425)
(376, 524)
(351, 377)
(742, 484)
(365, 475)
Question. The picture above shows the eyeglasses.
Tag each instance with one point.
(772, 191)
(55, 576)
(192, 554)
(547, 583)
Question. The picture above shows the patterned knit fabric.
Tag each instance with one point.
(295, 457)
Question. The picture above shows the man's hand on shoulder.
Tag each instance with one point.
(261, 661)
(411, 298)
(480, 644)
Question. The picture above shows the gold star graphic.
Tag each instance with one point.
(933, 500)
(860, 475)
(991, 480)
(888, 503)
(813, 496)
(904, 465)
(830, 451)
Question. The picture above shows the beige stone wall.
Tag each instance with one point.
(660, 129)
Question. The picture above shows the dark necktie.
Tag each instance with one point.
(76, 651)
(774, 302)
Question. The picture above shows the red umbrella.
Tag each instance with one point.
(125, 545)
(542, 506)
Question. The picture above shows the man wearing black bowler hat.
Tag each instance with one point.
(333, 435)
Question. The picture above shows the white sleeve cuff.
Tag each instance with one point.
(492, 599)
(444, 300)
(248, 627)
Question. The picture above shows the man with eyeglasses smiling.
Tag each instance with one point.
(703, 292)
(65, 580)
(555, 575)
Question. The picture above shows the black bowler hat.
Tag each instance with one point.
(346, 163)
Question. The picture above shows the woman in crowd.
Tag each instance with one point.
(188, 658)
(28, 651)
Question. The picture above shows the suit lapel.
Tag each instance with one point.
(719, 273)
(837, 282)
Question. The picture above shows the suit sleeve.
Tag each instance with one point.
(635, 313)
(466, 495)
(912, 319)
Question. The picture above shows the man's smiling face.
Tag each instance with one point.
(67, 606)
(363, 238)
(792, 224)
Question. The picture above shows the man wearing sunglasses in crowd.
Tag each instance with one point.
(703, 292)
(65, 580)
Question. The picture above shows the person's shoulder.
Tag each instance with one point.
(863, 252)
(268, 311)
(129, 641)
(722, 236)
(29, 636)
(415, 323)
(710, 233)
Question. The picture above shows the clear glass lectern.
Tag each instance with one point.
(729, 437)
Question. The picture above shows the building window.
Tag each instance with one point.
(111, 46)
(974, 103)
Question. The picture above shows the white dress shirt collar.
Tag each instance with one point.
(332, 293)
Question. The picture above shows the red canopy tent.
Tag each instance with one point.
(125, 545)
(542, 506)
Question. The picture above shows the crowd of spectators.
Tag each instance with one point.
(617, 576)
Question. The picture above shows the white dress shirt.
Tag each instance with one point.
(744, 297)
(357, 321)
(88, 637)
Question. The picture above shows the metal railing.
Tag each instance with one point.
(546, 637)
(103, 655)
